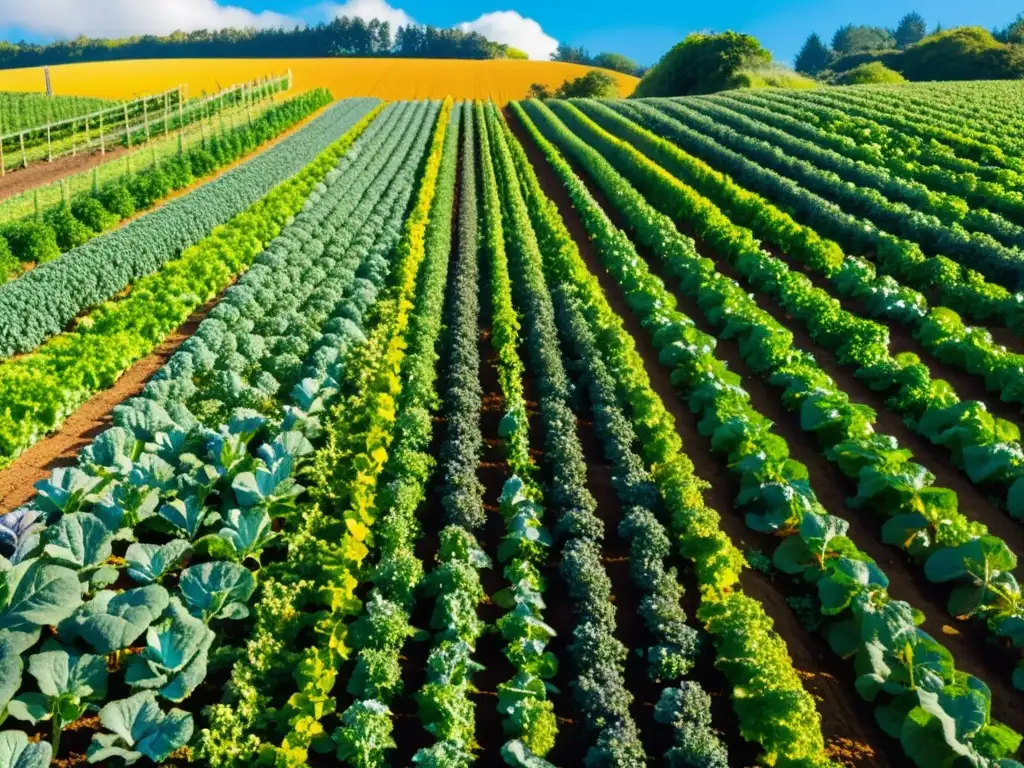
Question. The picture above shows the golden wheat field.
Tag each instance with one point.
(500, 80)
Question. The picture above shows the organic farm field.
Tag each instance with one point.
(657, 432)
(499, 80)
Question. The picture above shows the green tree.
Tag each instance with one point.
(853, 39)
(1014, 33)
(538, 91)
(566, 52)
(813, 57)
(616, 62)
(703, 63)
(912, 29)
(593, 85)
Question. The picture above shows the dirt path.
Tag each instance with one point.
(61, 448)
(847, 722)
(17, 179)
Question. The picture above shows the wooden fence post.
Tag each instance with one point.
(24, 159)
(74, 151)
(127, 129)
(145, 119)
(181, 117)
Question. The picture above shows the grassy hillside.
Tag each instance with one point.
(501, 80)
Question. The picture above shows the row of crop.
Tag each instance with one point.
(746, 159)
(773, 708)
(42, 238)
(940, 330)
(877, 194)
(752, 161)
(41, 389)
(991, 107)
(43, 301)
(320, 548)
(383, 627)
(876, 142)
(686, 708)
(164, 481)
(995, 105)
(916, 110)
(981, 186)
(977, 249)
(979, 150)
(776, 495)
(346, 488)
(927, 528)
(28, 110)
(987, 448)
(446, 709)
(599, 685)
(528, 717)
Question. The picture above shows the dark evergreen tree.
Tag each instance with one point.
(912, 28)
(813, 57)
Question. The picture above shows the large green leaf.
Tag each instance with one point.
(10, 670)
(975, 558)
(79, 540)
(38, 594)
(149, 562)
(140, 729)
(17, 752)
(929, 734)
(174, 661)
(217, 590)
(112, 622)
(847, 579)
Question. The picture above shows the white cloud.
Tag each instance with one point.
(512, 29)
(121, 18)
(366, 10)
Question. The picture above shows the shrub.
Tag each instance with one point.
(593, 85)
(963, 53)
(90, 211)
(69, 231)
(32, 240)
(117, 199)
(202, 162)
(9, 264)
(872, 72)
(703, 63)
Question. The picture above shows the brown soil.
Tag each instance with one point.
(845, 719)
(17, 179)
(61, 448)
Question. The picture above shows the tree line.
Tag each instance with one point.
(606, 60)
(342, 36)
(961, 53)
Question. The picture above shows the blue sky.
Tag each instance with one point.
(641, 29)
